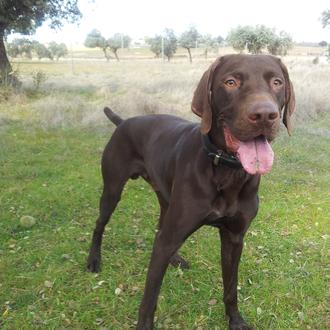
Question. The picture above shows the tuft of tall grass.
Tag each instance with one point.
(312, 85)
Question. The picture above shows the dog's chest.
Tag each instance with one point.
(227, 200)
(225, 205)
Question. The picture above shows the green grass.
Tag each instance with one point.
(49, 169)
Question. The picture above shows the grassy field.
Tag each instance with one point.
(51, 139)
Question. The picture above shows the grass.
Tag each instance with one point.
(49, 169)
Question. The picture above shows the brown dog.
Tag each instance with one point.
(202, 175)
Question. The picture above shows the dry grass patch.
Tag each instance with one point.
(145, 86)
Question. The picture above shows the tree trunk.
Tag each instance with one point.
(189, 52)
(106, 54)
(5, 67)
(116, 55)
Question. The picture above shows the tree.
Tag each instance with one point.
(219, 40)
(280, 44)
(95, 39)
(189, 40)
(325, 18)
(169, 41)
(25, 16)
(41, 50)
(256, 38)
(20, 46)
(155, 44)
(57, 50)
(237, 38)
(114, 43)
(208, 42)
(126, 41)
(323, 43)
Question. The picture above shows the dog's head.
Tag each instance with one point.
(241, 99)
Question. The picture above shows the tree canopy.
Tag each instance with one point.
(256, 38)
(95, 39)
(57, 50)
(25, 16)
(27, 48)
(209, 42)
(168, 41)
(325, 18)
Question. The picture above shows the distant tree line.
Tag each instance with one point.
(23, 47)
(165, 44)
(248, 38)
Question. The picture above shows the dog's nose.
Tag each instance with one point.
(263, 113)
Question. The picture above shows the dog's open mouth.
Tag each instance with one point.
(256, 155)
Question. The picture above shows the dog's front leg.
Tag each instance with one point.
(178, 224)
(231, 250)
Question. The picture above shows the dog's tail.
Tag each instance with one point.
(112, 116)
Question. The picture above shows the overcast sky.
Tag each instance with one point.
(140, 18)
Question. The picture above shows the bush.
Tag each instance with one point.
(38, 78)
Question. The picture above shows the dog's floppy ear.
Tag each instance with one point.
(201, 103)
(290, 100)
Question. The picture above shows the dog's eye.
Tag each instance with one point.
(277, 82)
(231, 83)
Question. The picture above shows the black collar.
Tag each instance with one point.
(219, 157)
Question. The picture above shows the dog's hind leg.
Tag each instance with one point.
(114, 181)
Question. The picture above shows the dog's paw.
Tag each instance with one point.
(148, 324)
(239, 325)
(178, 261)
(93, 264)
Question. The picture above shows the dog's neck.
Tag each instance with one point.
(219, 156)
(216, 134)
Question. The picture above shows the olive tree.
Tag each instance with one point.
(280, 44)
(155, 44)
(257, 38)
(95, 39)
(57, 50)
(208, 42)
(41, 50)
(114, 43)
(238, 38)
(189, 39)
(167, 43)
(20, 47)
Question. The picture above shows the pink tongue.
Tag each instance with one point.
(256, 155)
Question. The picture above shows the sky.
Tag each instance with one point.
(141, 18)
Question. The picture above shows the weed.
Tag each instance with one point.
(38, 77)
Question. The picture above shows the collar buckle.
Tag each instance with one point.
(219, 157)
